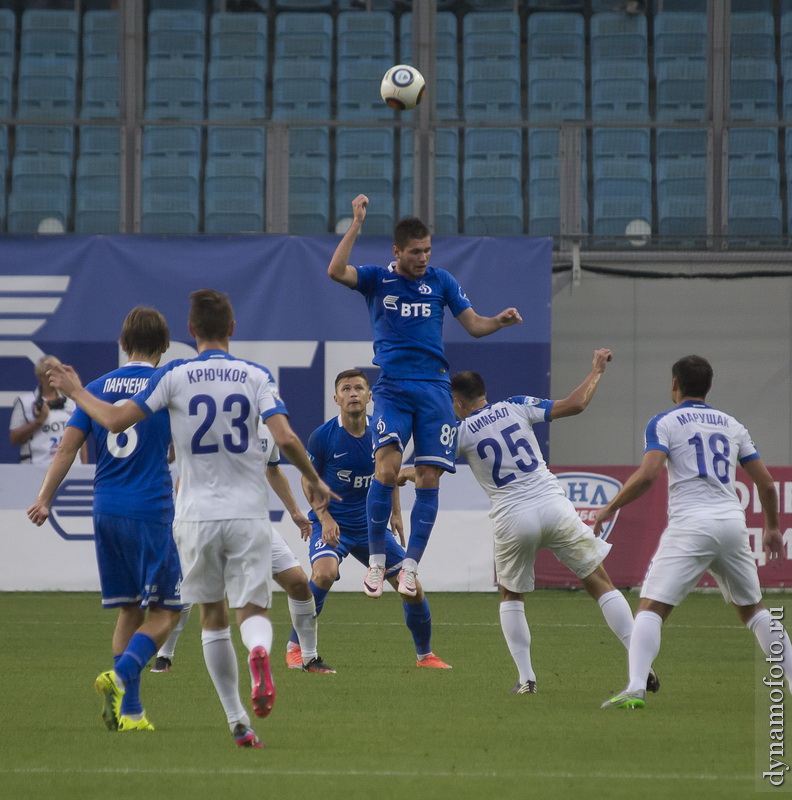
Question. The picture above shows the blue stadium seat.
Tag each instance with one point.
(100, 88)
(311, 5)
(753, 143)
(234, 195)
(230, 141)
(46, 88)
(182, 140)
(100, 35)
(494, 143)
(554, 35)
(45, 140)
(491, 35)
(620, 91)
(237, 89)
(682, 218)
(26, 210)
(40, 188)
(238, 36)
(754, 210)
(49, 34)
(681, 90)
(688, 6)
(616, 35)
(752, 35)
(682, 177)
(97, 198)
(556, 90)
(178, 5)
(174, 89)
(99, 140)
(309, 191)
(445, 37)
(621, 142)
(754, 89)
(357, 94)
(170, 194)
(176, 34)
(786, 35)
(679, 35)
(369, 35)
(301, 89)
(622, 193)
(364, 164)
(677, 142)
(304, 35)
(7, 33)
(556, 5)
(492, 90)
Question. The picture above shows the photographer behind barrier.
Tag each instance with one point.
(39, 419)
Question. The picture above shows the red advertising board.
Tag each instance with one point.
(636, 530)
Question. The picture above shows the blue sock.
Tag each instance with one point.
(378, 507)
(319, 598)
(419, 622)
(422, 521)
(139, 651)
(130, 702)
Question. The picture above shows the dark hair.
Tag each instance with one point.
(408, 228)
(350, 373)
(693, 375)
(211, 315)
(144, 332)
(468, 385)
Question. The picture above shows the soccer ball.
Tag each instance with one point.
(402, 87)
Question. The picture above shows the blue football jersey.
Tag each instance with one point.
(132, 478)
(407, 319)
(346, 464)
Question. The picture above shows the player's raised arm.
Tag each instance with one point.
(115, 418)
(340, 270)
(479, 326)
(577, 401)
(772, 538)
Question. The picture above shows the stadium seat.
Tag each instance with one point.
(679, 35)
(45, 140)
(238, 36)
(49, 34)
(97, 199)
(304, 35)
(616, 36)
(622, 194)
(752, 35)
(554, 35)
(492, 90)
(750, 143)
(786, 35)
(174, 89)
(236, 89)
(494, 35)
(311, 5)
(682, 177)
(170, 194)
(553, 96)
(357, 94)
(681, 90)
(754, 89)
(100, 88)
(40, 188)
(301, 89)
(178, 5)
(620, 91)
(99, 140)
(556, 5)
(445, 37)
(754, 211)
(176, 35)
(46, 88)
(231, 141)
(183, 140)
(100, 35)
(27, 210)
(234, 195)
(309, 192)
(364, 36)
(7, 33)
(682, 218)
(672, 143)
(621, 142)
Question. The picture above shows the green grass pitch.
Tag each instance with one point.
(381, 728)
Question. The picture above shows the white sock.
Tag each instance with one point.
(256, 631)
(410, 564)
(377, 560)
(774, 641)
(518, 637)
(303, 617)
(618, 615)
(644, 647)
(221, 661)
(169, 648)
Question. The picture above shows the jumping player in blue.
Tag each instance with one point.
(133, 510)
(341, 451)
(412, 397)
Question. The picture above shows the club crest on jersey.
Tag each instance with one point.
(424, 289)
(589, 492)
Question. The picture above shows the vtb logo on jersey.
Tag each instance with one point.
(357, 481)
(407, 309)
(589, 492)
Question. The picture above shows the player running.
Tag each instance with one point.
(706, 530)
(341, 451)
(412, 397)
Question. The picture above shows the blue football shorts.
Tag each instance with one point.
(138, 562)
(421, 409)
(355, 543)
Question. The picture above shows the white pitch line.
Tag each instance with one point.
(637, 776)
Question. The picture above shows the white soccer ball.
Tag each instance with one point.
(402, 87)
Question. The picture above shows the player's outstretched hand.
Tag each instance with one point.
(331, 533)
(600, 517)
(38, 513)
(303, 523)
(397, 527)
(405, 474)
(601, 358)
(319, 495)
(773, 545)
(509, 316)
(63, 378)
(359, 207)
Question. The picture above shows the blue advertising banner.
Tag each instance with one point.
(68, 296)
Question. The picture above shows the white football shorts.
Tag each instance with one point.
(282, 556)
(226, 558)
(717, 546)
(555, 525)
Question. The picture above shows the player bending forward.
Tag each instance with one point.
(529, 508)
(222, 526)
(706, 531)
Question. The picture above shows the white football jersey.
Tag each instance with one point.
(216, 402)
(503, 453)
(704, 446)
